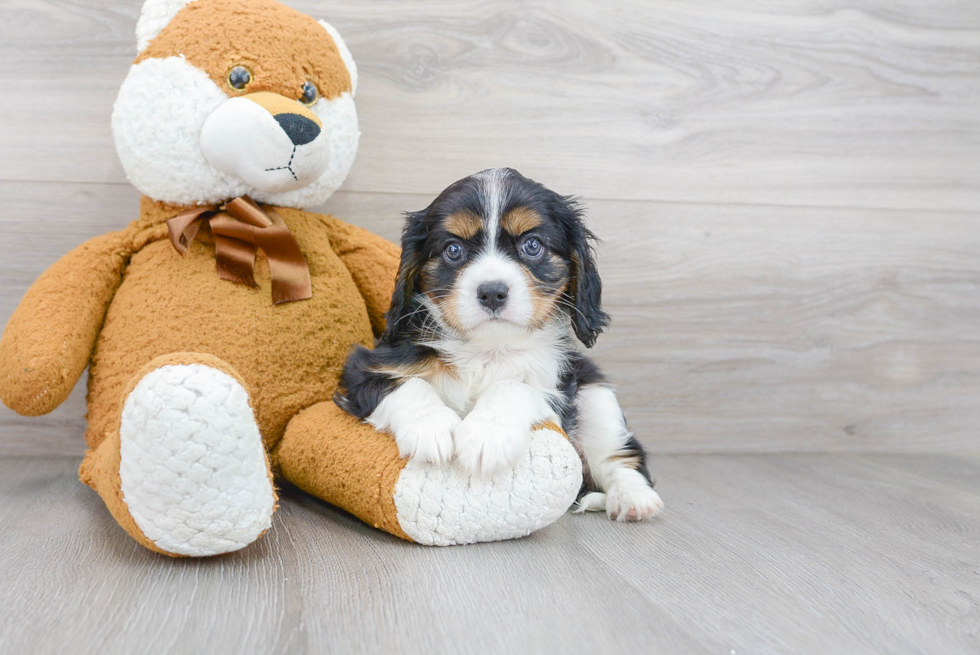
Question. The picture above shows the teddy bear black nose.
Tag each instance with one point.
(300, 129)
(492, 295)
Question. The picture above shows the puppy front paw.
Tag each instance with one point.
(429, 437)
(632, 502)
(485, 446)
(594, 501)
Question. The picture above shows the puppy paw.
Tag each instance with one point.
(485, 446)
(594, 501)
(633, 502)
(429, 437)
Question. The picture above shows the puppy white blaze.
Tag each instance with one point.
(492, 192)
(491, 265)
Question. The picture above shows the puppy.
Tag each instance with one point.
(497, 278)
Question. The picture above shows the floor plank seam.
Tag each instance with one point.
(593, 198)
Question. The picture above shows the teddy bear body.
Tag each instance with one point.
(289, 355)
(203, 386)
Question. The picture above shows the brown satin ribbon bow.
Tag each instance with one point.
(240, 227)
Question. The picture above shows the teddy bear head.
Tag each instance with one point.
(233, 97)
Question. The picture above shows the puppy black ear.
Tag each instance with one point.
(585, 286)
(406, 287)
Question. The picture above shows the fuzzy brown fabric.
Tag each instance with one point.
(100, 468)
(216, 35)
(126, 303)
(289, 355)
(330, 454)
(127, 299)
(50, 336)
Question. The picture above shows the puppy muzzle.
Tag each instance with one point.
(270, 142)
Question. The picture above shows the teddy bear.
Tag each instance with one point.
(215, 326)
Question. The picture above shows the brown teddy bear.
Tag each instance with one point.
(216, 325)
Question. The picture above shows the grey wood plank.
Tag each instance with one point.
(823, 102)
(739, 329)
(760, 554)
(818, 548)
(735, 328)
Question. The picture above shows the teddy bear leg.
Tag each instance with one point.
(333, 456)
(186, 473)
(330, 454)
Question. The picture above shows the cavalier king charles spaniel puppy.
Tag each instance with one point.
(497, 280)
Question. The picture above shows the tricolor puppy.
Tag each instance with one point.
(497, 280)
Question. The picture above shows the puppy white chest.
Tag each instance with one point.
(478, 364)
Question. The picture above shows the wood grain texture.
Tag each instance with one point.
(821, 102)
(755, 554)
(788, 197)
(735, 328)
(774, 329)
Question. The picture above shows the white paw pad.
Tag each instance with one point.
(193, 467)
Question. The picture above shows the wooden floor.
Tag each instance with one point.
(789, 198)
(755, 554)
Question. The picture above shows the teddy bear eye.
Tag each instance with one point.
(239, 77)
(310, 93)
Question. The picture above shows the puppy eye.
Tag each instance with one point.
(532, 247)
(310, 93)
(453, 252)
(238, 77)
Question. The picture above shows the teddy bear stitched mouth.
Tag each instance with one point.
(300, 130)
(289, 164)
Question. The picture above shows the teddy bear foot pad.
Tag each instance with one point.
(443, 506)
(193, 470)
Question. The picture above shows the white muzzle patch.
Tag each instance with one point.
(269, 153)
(493, 267)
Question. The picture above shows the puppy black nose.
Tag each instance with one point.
(300, 129)
(492, 295)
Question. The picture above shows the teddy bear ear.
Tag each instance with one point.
(154, 17)
(344, 54)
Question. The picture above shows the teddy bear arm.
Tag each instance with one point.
(372, 262)
(49, 339)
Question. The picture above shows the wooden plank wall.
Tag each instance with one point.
(788, 195)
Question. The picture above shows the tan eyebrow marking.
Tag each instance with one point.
(464, 224)
(520, 220)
